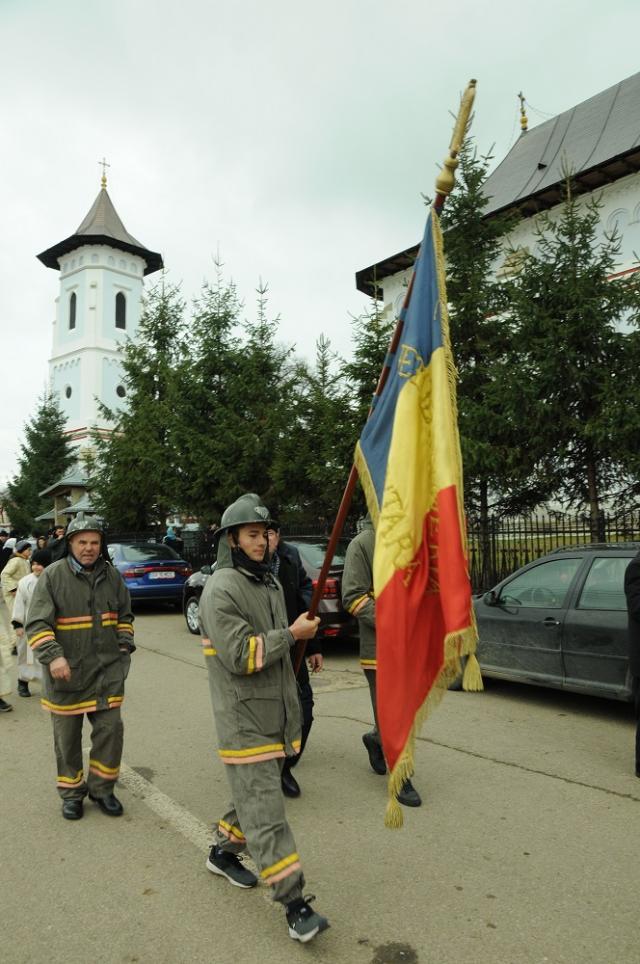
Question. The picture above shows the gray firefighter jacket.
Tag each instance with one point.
(246, 645)
(86, 617)
(357, 591)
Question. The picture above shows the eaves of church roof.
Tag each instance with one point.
(598, 141)
(102, 225)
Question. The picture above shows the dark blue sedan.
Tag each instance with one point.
(152, 571)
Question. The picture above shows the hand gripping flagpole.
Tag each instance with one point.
(444, 185)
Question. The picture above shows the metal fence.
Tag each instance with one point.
(495, 550)
(505, 544)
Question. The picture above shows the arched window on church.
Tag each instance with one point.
(72, 310)
(121, 311)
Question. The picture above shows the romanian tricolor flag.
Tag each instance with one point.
(408, 459)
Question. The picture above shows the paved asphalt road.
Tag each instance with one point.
(527, 848)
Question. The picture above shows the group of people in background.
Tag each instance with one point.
(22, 561)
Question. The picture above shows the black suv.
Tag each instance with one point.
(561, 621)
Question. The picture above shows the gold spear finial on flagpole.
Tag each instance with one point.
(446, 179)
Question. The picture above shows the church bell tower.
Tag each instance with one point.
(101, 279)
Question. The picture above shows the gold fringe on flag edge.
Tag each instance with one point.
(457, 644)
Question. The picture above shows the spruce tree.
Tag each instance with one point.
(208, 363)
(134, 479)
(46, 455)
(371, 335)
(260, 390)
(481, 339)
(315, 453)
(573, 359)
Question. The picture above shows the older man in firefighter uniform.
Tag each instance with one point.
(80, 627)
(255, 704)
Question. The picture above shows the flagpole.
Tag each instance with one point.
(447, 178)
(444, 185)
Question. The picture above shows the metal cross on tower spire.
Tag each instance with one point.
(104, 165)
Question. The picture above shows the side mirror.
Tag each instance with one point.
(490, 598)
(205, 570)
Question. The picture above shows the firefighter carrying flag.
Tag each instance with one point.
(408, 460)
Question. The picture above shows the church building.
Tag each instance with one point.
(598, 141)
(101, 268)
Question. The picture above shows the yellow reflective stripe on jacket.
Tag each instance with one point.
(359, 603)
(251, 661)
(40, 638)
(84, 707)
(74, 622)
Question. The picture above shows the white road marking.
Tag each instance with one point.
(181, 819)
(197, 832)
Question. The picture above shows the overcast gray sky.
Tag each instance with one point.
(294, 136)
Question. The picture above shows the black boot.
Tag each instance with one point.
(23, 688)
(72, 809)
(376, 756)
(409, 796)
(109, 805)
(5, 707)
(290, 786)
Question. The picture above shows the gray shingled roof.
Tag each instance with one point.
(102, 225)
(598, 139)
(74, 478)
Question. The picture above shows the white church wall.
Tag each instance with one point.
(66, 382)
(112, 385)
(620, 205)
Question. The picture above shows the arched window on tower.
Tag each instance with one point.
(121, 311)
(72, 310)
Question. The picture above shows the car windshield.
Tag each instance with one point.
(313, 553)
(143, 553)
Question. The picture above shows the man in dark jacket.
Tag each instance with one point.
(632, 592)
(287, 567)
(5, 554)
(57, 544)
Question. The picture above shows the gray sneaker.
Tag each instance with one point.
(228, 865)
(303, 921)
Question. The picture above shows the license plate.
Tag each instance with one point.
(162, 575)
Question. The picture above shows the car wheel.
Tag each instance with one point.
(191, 613)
